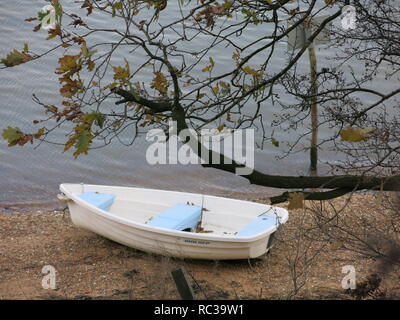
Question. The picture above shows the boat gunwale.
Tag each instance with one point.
(168, 232)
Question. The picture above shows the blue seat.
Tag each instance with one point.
(260, 224)
(178, 217)
(102, 201)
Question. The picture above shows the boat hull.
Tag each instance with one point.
(162, 241)
(168, 245)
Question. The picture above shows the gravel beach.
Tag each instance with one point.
(91, 267)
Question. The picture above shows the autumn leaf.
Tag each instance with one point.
(111, 86)
(83, 137)
(117, 124)
(15, 57)
(225, 88)
(90, 65)
(88, 6)
(70, 88)
(12, 135)
(70, 142)
(275, 142)
(67, 91)
(118, 6)
(51, 108)
(94, 117)
(296, 200)
(52, 35)
(215, 89)
(83, 141)
(160, 83)
(68, 63)
(236, 55)
(78, 40)
(37, 28)
(249, 70)
(39, 133)
(351, 134)
(210, 66)
(122, 73)
(30, 19)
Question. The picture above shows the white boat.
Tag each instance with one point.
(178, 224)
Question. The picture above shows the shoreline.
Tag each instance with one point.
(52, 204)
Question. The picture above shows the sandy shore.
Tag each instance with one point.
(91, 267)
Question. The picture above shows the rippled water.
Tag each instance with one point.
(30, 176)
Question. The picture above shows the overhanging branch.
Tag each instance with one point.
(312, 195)
(391, 183)
(341, 184)
(154, 106)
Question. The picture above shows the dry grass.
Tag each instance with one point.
(306, 262)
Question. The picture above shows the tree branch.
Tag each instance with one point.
(342, 184)
(154, 106)
(391, 183)
(313, 195)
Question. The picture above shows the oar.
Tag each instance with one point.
(198, 228)
(264, 212)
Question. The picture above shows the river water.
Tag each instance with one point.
(29, 176)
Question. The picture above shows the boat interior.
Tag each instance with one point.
(182, 211)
